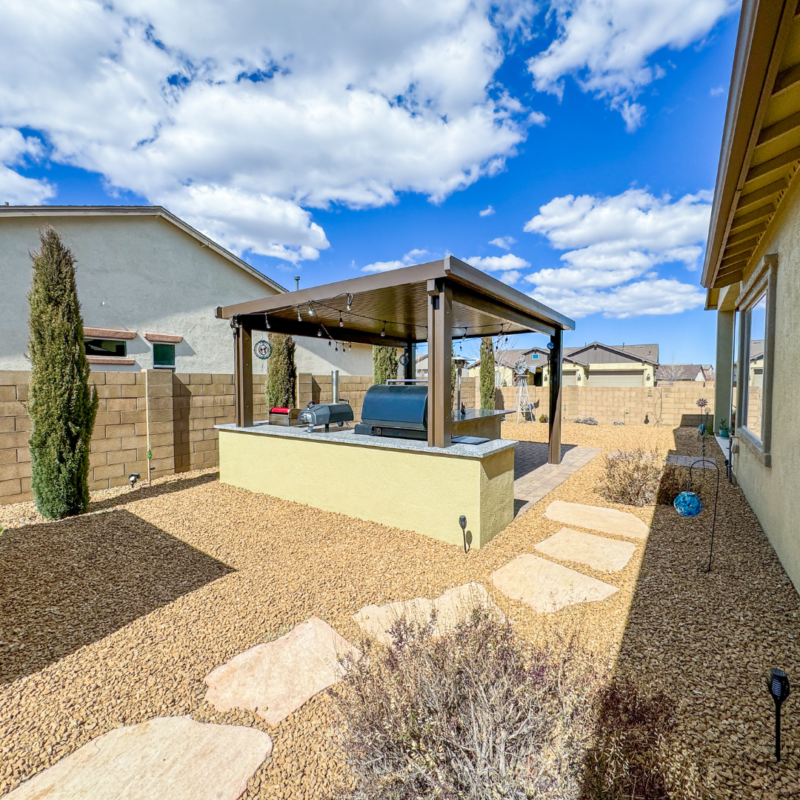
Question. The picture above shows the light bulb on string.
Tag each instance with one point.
(299, 315)
(266, 320)
(341, 321)
(319, 331)
(383, 330)
(310, 310)
(349, 301)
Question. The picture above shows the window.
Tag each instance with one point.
(106, 347)
(164, 355)
(754, 367)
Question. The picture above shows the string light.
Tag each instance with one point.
(341, 321)
(266, 320)
(383, 331)
(299, 315)
(319, 331)
(349, 301)
(310, 310)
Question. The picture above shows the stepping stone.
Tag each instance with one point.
(546, 586)
(597, 552)
(453, 607)
(675, 460)
(276, 678)
(606, 520)
(172, 757)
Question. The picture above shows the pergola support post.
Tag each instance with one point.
(243, 376)
(440, 348)
(554, 418)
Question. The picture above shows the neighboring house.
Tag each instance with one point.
(594, 364)
(669, 373)
(597, 364)
(148, 284)
(752, 269)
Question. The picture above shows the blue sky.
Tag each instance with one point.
(326, 141)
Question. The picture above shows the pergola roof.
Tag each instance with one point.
(396, 303)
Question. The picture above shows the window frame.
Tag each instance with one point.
(763, 281)
(123, 342)
(164, 366)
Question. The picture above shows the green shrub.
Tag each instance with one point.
(61, 405)
(487, 373)
(384, 364)
(632, 476)
(281, 372)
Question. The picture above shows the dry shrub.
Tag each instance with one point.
(637, 756)
(470, 715)
(632, 476)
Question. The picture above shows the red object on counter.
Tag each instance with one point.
(279, 411)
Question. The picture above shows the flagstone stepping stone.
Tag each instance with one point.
(453, 607)
(276, 678)
(167, 757)
(546, 586)
(597, 552)
(606, 520)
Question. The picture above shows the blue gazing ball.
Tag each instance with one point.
(688, 504)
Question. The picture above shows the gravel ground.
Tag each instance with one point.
(116, 617)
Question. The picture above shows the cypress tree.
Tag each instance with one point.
(61, 405)
(281, 372)
(384, 363)
(487, 373)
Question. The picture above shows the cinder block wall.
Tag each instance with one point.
(319, 389)
(183, 409)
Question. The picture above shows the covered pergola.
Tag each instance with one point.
(434, 302)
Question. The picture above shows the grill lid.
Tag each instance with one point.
(396, 406)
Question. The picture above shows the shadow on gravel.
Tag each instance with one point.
(144, 492)
(67, 584)
(708, 640)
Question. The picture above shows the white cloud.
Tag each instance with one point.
(411, 257)
(498, 263)
(537, 118)
(611, 241)
(717, 91)
(504, 242)
(510, 277)
(606, 45)
(260, 112)
(16, 189)
(487, 212)
(656, 297)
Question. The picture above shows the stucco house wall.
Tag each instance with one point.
(144, 274)
(772, 491)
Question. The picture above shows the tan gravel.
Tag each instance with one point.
(123, 612)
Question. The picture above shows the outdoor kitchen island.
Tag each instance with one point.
(402, 483)
(443, 474)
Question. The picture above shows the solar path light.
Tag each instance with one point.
(778, 685)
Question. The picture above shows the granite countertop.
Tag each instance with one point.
(349, 437)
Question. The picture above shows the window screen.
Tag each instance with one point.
(106, 347)
(163, 355)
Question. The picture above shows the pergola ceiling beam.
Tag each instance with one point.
(291, 327)
(465, 297)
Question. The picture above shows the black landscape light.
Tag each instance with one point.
(462, 521)
(133, 477)
(778, 685)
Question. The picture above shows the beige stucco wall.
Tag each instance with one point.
(772, 491)
(142, 273)
(413, 491)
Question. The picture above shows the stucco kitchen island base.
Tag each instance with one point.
(397, 482)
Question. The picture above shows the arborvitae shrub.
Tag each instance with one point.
(384, 363)
(61, 405)
(487, 373)
(281, 372)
